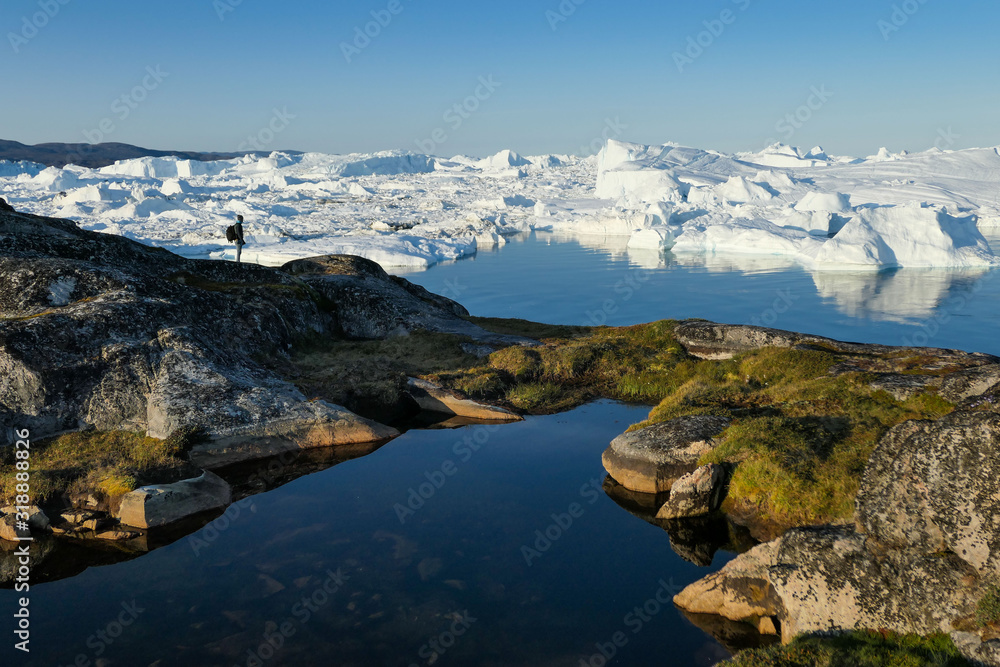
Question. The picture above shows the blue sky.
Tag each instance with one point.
(562, 74)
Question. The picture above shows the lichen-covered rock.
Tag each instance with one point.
(826, 578)
(368, 303)
(651, 459)
(934, 487)
(698, 493)
(99, 331)
(923, 551)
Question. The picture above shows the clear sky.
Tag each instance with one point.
(722, 74)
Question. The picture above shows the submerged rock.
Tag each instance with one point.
(651, 459)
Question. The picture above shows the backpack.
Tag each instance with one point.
(231, 233)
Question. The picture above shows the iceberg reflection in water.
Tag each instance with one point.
(901, 295)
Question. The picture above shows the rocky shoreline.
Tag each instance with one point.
(102, 334)
(924, 546)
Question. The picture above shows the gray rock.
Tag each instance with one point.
(368, 303)
(99, 331)
(900, 386)
(934, 487)
(651, 459)
(710, 340)
(9, 530)
(696, 494)
(964, 384)
(162, 504)
(36, 517)
(975, 650)
(825, 578)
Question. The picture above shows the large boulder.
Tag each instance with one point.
(651, 459)
(934, 487)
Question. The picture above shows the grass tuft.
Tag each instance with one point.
(109, 463)
(988, 608)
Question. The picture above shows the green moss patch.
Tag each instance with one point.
(575, 365)
(857, 649)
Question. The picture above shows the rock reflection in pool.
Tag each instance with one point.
(696, 539)
(326, 559)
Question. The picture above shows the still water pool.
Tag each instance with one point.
(484, 545)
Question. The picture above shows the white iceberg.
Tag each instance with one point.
(914, 236)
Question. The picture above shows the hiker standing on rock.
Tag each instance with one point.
(235, 233)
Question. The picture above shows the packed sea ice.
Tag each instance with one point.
(408, 210)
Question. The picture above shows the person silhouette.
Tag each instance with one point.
(239, 237)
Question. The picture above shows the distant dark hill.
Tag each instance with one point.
(100, 155)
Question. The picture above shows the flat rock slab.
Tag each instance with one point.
(336, 429)
(651, 459)
(433, 398)
(162, 504)
(711, 340)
